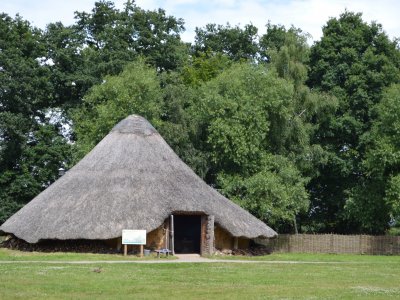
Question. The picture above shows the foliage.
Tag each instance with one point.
(235, 42)
(378, 203)
(135, 91)
(115, 37)
(204, 67)
(287, 50)
(244, 114)
(354, 61)
(31, 147)
(276, 193)
(177, 126)
(244, 107)
(102, 42)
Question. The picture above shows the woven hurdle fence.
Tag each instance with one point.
(333, 243)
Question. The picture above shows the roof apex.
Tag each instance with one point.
(135, 124)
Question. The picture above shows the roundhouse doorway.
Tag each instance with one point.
(187, 233)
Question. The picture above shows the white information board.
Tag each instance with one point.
(133, 237)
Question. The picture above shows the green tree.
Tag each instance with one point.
(235, 42)
(31, 146)
(287, 50)
(43, 153)
(70, 75)
(276, 193)
(102, 42)
(376, 202)
(178, 127)
(135, 91)
(118, 36)
(204, 67)
(354, 61)
(241, 114)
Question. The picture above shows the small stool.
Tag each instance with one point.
(163, 251)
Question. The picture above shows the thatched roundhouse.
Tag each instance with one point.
(133, 180)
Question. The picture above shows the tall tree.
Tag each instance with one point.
(235, 42)
(135, 91)
(103, 41)
(376, 201)
(287, 50)
(354, 61)
(203, 67)
(241, 114)
(31, 147)
(121, 35)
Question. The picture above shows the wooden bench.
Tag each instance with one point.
(163, 251)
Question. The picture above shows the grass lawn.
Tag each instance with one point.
(335, 277)
(12, 255)
(315, 257)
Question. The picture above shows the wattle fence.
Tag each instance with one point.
(334, 243)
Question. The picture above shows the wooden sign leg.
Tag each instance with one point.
(141, 250)
(125, 250)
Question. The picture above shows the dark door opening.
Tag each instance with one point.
(187, 234)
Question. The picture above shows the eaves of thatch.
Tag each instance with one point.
(131, 180)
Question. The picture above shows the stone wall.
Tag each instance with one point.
(207, 235)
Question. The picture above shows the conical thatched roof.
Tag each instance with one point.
(131, 180)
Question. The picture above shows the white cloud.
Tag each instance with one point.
(41, 13)
(309, 15)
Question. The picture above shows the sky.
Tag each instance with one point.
(309, 15)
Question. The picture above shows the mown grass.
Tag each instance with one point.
(13, 255)
(314, 257)
(351, 277)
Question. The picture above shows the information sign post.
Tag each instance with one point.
(133, 237)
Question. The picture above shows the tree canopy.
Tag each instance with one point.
(354, 61)
(304, 137)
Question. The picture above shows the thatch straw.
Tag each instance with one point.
(131, 180)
